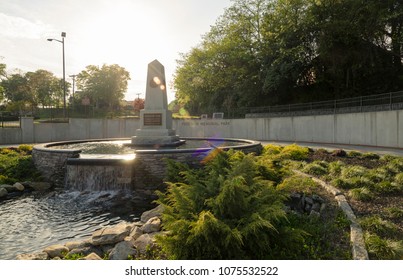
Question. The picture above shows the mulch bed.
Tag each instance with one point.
(362, 208)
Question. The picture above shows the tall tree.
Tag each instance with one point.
(44, 88)
(105, 85)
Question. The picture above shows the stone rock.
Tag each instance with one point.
(92, 257)
(111, 235)
(143, 242)
(316, 207)
(33, 256)
(78, 244)
(3, 192)
(155, 212)
(85, 250)
(135, 233)
(19, 187)
(317, 198)
(56, 250)
(152, 225)
(308, 200)
(39, 186)
(122, 251)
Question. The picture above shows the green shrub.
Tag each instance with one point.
(370, 156)
(354, 154)
(399, 179)
(387, 158)
(299, 184)
(375, 224)
(353, 171)
(394, 212)
(294, 152)
(354, 182)
(386, 187)
(315, 168)
(383, 249)
(225, 211)
(271, 149)
(25, 149)
(362, 194)
(378, 175)
(335, 167)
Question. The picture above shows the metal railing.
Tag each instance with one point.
(378, 102)
(9, 121)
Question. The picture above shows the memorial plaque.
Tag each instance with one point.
(153, 119)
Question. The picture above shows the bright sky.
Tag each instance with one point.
(130, 33)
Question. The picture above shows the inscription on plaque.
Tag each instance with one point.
(152, 119)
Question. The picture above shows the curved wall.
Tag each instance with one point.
(384, 128)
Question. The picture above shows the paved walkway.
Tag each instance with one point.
(364, 149)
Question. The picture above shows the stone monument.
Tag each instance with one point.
(155, 119)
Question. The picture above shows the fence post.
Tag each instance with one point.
(390, 101)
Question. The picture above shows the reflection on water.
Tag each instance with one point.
(32, 222)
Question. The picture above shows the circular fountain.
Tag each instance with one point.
(137, 163)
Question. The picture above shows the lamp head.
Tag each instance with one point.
(63, 34)
(50, 40)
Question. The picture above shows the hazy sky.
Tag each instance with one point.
(130, 33)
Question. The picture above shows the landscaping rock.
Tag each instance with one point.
(3, 192)
(156, 212)
(71, 245)
(56, 250)
(144, 241)
(33, 256)
(40, 186)
(92, 257)
(135, 233)
(152, 225)
(111, 235)
(122, 251)
(19, 187)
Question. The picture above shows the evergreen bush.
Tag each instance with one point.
(226, 210)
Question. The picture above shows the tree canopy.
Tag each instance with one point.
(266, 52)
(104, 86)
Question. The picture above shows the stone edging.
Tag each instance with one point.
(356, 235)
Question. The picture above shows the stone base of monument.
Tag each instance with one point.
(156, 137)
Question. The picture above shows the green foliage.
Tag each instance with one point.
(265, 52)
(316, 168)
(321, 238)
(394, 212)
(27, 149)
(383, 249)
(375, 224)
(362, 194)
(226, 211)
(353, 171)
(294, 152)
(354, 154)
(335, 167)
(105, 85)
(73, 257)
(16, 165)
(299, 184)
(370, 156)
(271, 149)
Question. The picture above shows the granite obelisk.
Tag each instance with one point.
(155, 119)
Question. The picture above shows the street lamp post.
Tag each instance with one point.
(64, 72)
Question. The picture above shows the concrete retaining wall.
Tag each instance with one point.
(368, 128)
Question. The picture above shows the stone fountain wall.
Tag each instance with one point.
(144, 174)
